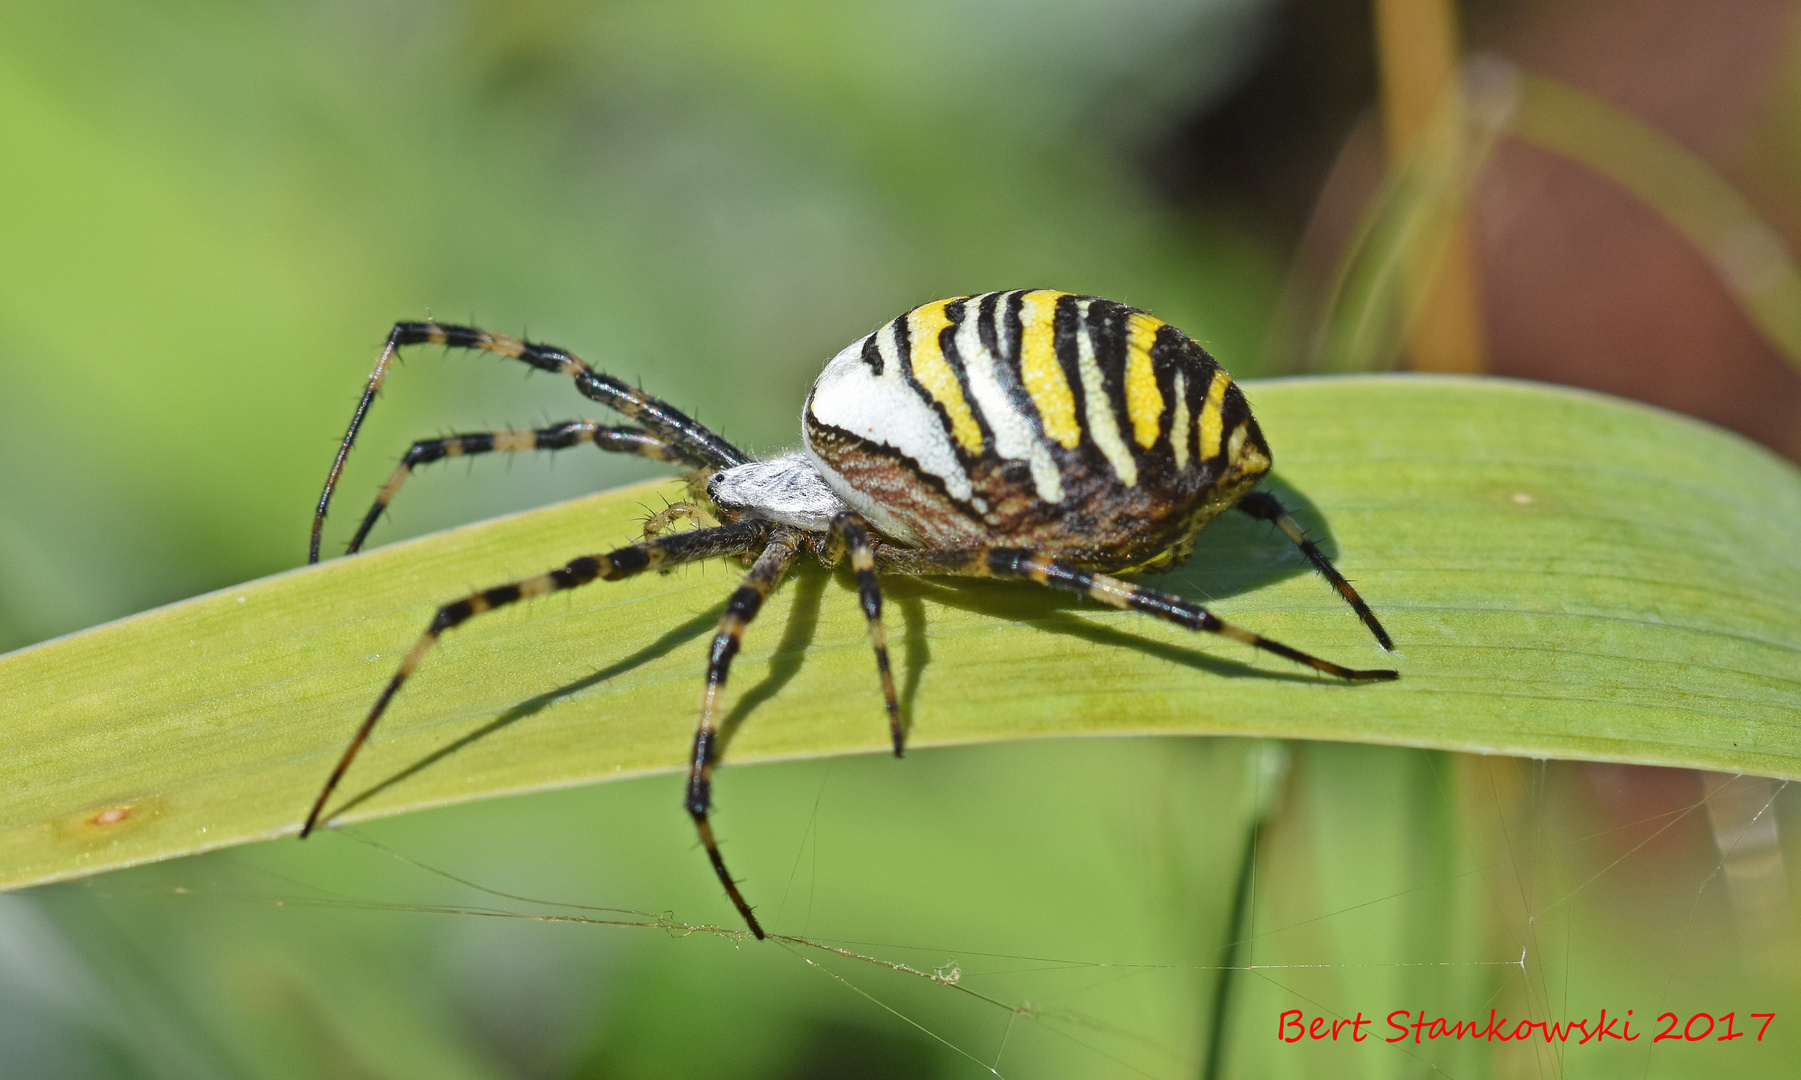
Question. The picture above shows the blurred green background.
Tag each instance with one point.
(209, 216)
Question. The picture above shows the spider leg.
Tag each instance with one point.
(854, 531)
(765, 574)
(655, 415)
(561, 436)
(615, 565)
(1001, 562)
(1266, 507)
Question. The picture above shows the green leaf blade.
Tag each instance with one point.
(1565, 575)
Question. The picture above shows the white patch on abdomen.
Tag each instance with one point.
(886, 411)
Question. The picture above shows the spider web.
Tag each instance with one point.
(1307, 943)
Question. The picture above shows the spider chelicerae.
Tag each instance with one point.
(1027, 434)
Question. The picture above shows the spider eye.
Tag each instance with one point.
(720, 493)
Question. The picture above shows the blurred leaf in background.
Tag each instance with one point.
(211, 215)
(1628, 232)
(213, 212)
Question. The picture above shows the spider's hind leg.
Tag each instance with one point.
(1266, 507)
(1017, 563)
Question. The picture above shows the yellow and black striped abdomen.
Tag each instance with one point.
(1069, 423)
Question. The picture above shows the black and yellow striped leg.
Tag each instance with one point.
(765, 574)
(624, 562)
(658, 417)
(1018, 563)
(1266, 507)
(854, 532)
(626, 440)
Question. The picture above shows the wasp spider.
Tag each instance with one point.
(1031, 434)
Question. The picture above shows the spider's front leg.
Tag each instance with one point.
(628, 440)
(665, 423)
(615, 565)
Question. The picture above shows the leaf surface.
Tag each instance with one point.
(1565, 575)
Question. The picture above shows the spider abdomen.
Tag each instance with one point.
(1069, 424)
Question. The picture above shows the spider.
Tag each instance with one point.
(1028, 434)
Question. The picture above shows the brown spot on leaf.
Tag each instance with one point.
(112, 815)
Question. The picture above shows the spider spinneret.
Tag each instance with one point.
(1027, 434)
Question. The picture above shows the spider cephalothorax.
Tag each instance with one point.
(1028, 434)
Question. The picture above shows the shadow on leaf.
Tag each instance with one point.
(1234, 555)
